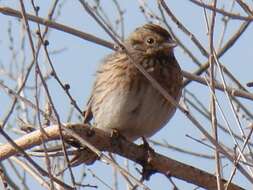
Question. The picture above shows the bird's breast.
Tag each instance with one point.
(125, 100)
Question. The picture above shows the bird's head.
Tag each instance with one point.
(151, 40)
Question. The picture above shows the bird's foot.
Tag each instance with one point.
(116, 137)
(147, 170)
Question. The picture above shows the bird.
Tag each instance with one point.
(123, 99)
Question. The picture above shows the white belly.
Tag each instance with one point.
(133, 114)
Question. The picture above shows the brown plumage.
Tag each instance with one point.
(123, 99)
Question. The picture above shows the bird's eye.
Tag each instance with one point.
(150, 41)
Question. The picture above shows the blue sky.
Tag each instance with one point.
(77, 64)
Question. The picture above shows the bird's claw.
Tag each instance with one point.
(147, 170)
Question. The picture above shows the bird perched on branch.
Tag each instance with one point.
(123, 99)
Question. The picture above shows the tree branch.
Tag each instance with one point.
(57, 26)
(104, 142)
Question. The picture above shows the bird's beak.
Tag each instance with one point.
(163, 49)
(170, 44)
